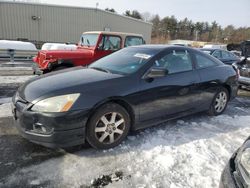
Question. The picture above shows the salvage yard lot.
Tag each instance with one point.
(188, 152)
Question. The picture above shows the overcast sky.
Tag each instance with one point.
(225, 12)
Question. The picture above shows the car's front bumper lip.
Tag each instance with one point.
(67, 129)
(58, 139)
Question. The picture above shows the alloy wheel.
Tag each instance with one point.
(110, 127)
(220, 101)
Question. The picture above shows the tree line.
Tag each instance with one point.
(170, 28)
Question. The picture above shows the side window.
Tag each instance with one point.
(133, 41)
(203, 62)
(175, 61)
(217, 54)
(110, 43)
(232, 55)
(225, 55)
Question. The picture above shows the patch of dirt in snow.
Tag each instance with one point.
(106, 180)
(191, 152)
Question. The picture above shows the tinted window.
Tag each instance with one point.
(133, 41)
(225, 55)
(175, 61)
(232, 55)
(203, 62)
(217, 54)
(125, 61)
(110, 43)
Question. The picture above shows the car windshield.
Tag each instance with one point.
(89, 40)
(125, 61)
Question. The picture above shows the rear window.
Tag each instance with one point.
(203, 62)
(133, 41)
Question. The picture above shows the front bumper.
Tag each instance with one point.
(228, 179)
(54, 130)
(234, 176)
(36, 69)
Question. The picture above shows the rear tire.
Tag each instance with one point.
(219, 103)
(108, 127)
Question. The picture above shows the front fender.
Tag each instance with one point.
(49, 63)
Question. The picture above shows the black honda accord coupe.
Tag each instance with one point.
(133, 88)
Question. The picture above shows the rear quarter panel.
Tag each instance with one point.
(212, 78)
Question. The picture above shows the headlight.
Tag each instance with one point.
(56, 104)
(245, 160)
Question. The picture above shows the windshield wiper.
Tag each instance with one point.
(100, 69)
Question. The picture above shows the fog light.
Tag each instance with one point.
(41, 129)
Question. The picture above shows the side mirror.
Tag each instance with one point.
(157, 72)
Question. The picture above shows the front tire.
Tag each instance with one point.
(219, 103)
(108, 127)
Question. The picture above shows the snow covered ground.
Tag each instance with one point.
(5, 109)
(189, 152)
(13, 80)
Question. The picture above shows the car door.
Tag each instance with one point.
(211, 75)
(172, 94)
(108, 45)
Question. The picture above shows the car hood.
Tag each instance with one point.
(73, 80)
(65, 54)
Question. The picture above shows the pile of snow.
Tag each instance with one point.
(10, 80)
(5, 110)
(5, 100)
(190, 153)
(17, 45)
(58, 46)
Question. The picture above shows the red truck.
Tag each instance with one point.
(92, 46)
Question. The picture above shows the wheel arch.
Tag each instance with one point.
(117, 100)
(229, 90)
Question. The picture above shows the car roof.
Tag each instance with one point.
(209, 49)
(113, 33)
(159, 46)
